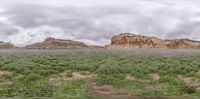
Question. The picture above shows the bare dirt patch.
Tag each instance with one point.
(132, 78)
(198, 89)
(155, 76)
(129, 77)
(4, 73)
(191, 81)
(4, 81)
(107, 90)
(77, 76)
(198, 72)
(59, 80)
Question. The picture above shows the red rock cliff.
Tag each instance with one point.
(127, 40)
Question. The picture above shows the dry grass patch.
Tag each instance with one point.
(4, 81)
(129, 77)
(77, 76)
(61, 79)
(191, 81)
(155, 87)
(155, 76)
(198, 88)
(5, 73)
(106, 90)
(198, 72)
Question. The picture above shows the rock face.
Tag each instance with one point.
(4, 45)
(127, 40)
(52, 43)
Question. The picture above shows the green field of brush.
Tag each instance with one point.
(28, 75)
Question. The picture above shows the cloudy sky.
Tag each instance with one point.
(96, 21)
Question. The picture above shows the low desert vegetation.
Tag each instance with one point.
(87, 74)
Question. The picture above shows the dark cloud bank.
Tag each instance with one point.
(27, 23)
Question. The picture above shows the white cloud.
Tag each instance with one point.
(29, 36)
(96, 21)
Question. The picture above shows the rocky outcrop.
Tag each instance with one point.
(4, 45)
(127, 40)
(52, 43)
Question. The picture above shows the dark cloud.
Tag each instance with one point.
(27, 16)
(7, 30)
(99, 22)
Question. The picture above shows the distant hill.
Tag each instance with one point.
(5, 45)
(52, 43)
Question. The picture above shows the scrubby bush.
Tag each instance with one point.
(30, 73)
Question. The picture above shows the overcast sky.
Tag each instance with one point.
(96, 21)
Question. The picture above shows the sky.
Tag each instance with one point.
(94, 22)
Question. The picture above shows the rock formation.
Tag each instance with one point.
(52, 43)
(127, 40)
(4, 45)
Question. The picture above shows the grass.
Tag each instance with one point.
(28, 74)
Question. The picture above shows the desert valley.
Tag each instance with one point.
(99, 49)
(132, 66)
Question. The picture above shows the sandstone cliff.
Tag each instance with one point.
(52, 43)
(4, 45)
(127, 40)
